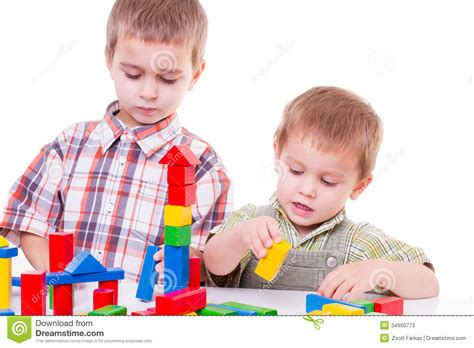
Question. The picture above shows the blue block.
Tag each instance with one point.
(239, 311)
(6, 312)
(147, 281)
(60, 278)
(316, 302)
(176, 268)
(84, 263)
(16, 281)
(8, 252)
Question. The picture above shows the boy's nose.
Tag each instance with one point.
(149, 90)
(308, 189)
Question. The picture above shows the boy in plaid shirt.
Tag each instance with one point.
(102, 180)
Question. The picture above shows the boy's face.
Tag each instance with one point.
(150, 79)
(313, 186)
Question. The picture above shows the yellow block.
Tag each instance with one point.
(269, 266)
(5, 283)
(340, 309)
(319, 312)
(176, 215)
(3, 242)
(192, 314)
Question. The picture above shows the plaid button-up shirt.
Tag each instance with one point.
(103, 182)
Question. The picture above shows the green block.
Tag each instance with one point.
(369, 306)
(215, 311)
(50, 297)
(178, 235)
(109, 310)
(259, 310)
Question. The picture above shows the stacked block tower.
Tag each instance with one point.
(182, 291)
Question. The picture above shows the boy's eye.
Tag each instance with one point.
(328, 183)
(168, 81)
(132, 77)
(295, 172)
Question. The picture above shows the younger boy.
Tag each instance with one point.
(325, 150)
(102, 180)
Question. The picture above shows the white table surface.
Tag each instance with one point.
(286, 302)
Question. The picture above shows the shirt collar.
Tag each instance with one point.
(150, 138)
(323, 227)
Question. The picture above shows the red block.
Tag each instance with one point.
(60, 250)
(145, 313)
(182, 195)
(389, 305)
(63, 299)
(181, 301)
(180, 155)
(113, 285)
(33, 293)
(180, 176)
(102, 297)
(194, 272)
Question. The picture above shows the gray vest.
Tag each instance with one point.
(302, 270)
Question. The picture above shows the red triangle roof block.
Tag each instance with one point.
(180, 155)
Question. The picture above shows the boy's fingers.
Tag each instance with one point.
(343, 290)
(159, 255)
(264, 238)
(259, 250)
(274, 231)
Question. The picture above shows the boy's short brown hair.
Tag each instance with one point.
(168, 21)
(338, 121)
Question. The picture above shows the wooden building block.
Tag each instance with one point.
(239, 311)
(148, 275)
(177, 215)
(84, 263)
(113, 285)
(102, 297)
(178, 235)
(211, 310)
(144, 313)
(63, 299)
(316, 301)
(176, 268)
(3, 242)
(340, 309)
(61, 250)
(33, 293)
(179, 175)
(268, 267)
(8, 252)
(389, 305)
(182, 195)
(5, 283)
(258, 310)
(110, 310)
(59, 278)
(180, 155)
(194, 272)
(369, 306)
(6, 312)
(181, 301)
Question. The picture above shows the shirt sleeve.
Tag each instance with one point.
(34, 203)
(214, 198)
(232, 280)
(370, 242)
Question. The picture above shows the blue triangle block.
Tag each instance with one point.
(84, 263)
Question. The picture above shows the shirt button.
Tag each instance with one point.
(110, 207)
(122, 160)
(331, 262)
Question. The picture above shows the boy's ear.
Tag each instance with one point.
(360, 187)
(197, 74)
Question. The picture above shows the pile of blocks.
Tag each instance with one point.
(182, 291)
(7, 252)
(320, 305)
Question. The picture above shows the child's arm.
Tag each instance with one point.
(405, 279)
(36, 250)
(224, 251)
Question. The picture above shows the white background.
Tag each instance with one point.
(412, 60)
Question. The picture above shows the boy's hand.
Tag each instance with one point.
(259, 234)
(349, 281)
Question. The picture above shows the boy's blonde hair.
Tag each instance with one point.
(338, 121)
(168, 21)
